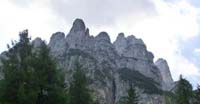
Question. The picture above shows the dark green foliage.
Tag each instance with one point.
(183, 92)
(133, 76)
(18, 85)
(197, 95)
(79, 92)
(169, 97)
(50, 79)
(131, 98)
(30, 77)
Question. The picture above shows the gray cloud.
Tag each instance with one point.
(102, 12)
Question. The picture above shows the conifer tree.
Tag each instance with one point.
(30, 77)
(50, 79)
(79, 93)
(131, 98)
(17, 86)
(183, 92)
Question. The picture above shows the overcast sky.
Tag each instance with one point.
(170, 28)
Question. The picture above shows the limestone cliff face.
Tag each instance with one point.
(111, 66)
(167, 81)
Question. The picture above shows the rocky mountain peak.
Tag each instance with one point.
(58, 35)
(103, 36)
(87, 32)
(133, 40)
(58, 44)
(37, 42)
(132, 47)
(78, 25)
(120, 43)
(57, 38)
(110, 67)
(165, 73)
(120, 36)
(78, 35)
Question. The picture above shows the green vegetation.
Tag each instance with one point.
(197, 95)
(131, 98)
(169, 97)
(50, 80)
(79, 93)
(30, 77)
(18, 85)
(183, 92)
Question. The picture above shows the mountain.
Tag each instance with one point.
(111, 66)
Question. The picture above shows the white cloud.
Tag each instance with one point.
(40, 21)
(102, 12)
(197, 50)
(188, 69)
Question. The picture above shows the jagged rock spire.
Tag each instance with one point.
(58, 44)
(165, 74)
(78, 25)
(78, 35)
(103, 36)
(120, 43)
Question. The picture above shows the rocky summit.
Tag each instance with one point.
(111, 66)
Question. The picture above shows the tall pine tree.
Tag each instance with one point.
(79, 93)
(131, 98)
(50, 79)
(183, 91)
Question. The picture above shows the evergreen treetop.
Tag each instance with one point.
(183, 92)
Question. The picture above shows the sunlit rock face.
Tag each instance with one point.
(58, 45)
(167, 81)
(78, 35)
(110, 67)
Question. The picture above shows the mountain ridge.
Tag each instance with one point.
(111, 66)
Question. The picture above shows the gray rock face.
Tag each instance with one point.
(135, 56)
(103, 36)
(132, 47)
(58, 45)
(37, 42)
(78, 34)
(110, 66)
(78, 26)
(167, 82)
